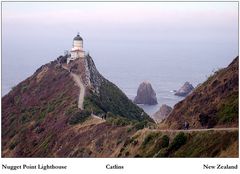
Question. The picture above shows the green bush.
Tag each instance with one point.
(91, 106)
(42, 115)
(50, 107)
(112, 99)
(165, 141)
(228, 111)
(121, 122)
(79, 117)
(24, 118)
(118, 120)
(140, 125)
(149, 138)
(179, 140)
(71, 110)
(24, 88)
(17, 100)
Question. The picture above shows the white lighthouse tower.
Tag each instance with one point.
(77, 50)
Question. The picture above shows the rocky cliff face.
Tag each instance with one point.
(42, 112)
(212, 104)
(162, 113)
(185, 90)
(145, 94)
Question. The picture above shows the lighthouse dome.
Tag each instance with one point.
(78, 37)
(77, 49)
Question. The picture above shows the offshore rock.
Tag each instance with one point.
(162, 113)
(185, 89)
(145, 94)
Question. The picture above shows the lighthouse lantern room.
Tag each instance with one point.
(77, 50)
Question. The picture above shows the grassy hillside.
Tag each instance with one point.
(40, 118)
(36, 110)
(43, 108)
(112, 99)
(157, 143)
(212, 104)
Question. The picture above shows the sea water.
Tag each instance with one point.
(166, 66)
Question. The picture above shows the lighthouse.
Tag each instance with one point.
(77, 49)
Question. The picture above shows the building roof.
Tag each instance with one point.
(78, 37)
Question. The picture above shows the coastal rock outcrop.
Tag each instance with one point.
(162, 113)
(185, 89)
(145, 94)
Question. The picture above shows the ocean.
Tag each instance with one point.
(166, 66)
(165, 70)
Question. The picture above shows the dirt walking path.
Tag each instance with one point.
(199, 130)
(98, 118)
(77, 79)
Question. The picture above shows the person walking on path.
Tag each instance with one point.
(186, 125)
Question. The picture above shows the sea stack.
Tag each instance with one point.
(185, 89)
(145, 94)
(162, 113)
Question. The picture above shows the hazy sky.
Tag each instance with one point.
(38, 23)
(35, 33)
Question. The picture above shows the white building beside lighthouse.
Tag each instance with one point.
(77, 50)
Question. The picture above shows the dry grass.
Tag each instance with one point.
(92, 120)
(41, 74)
(231, 151)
